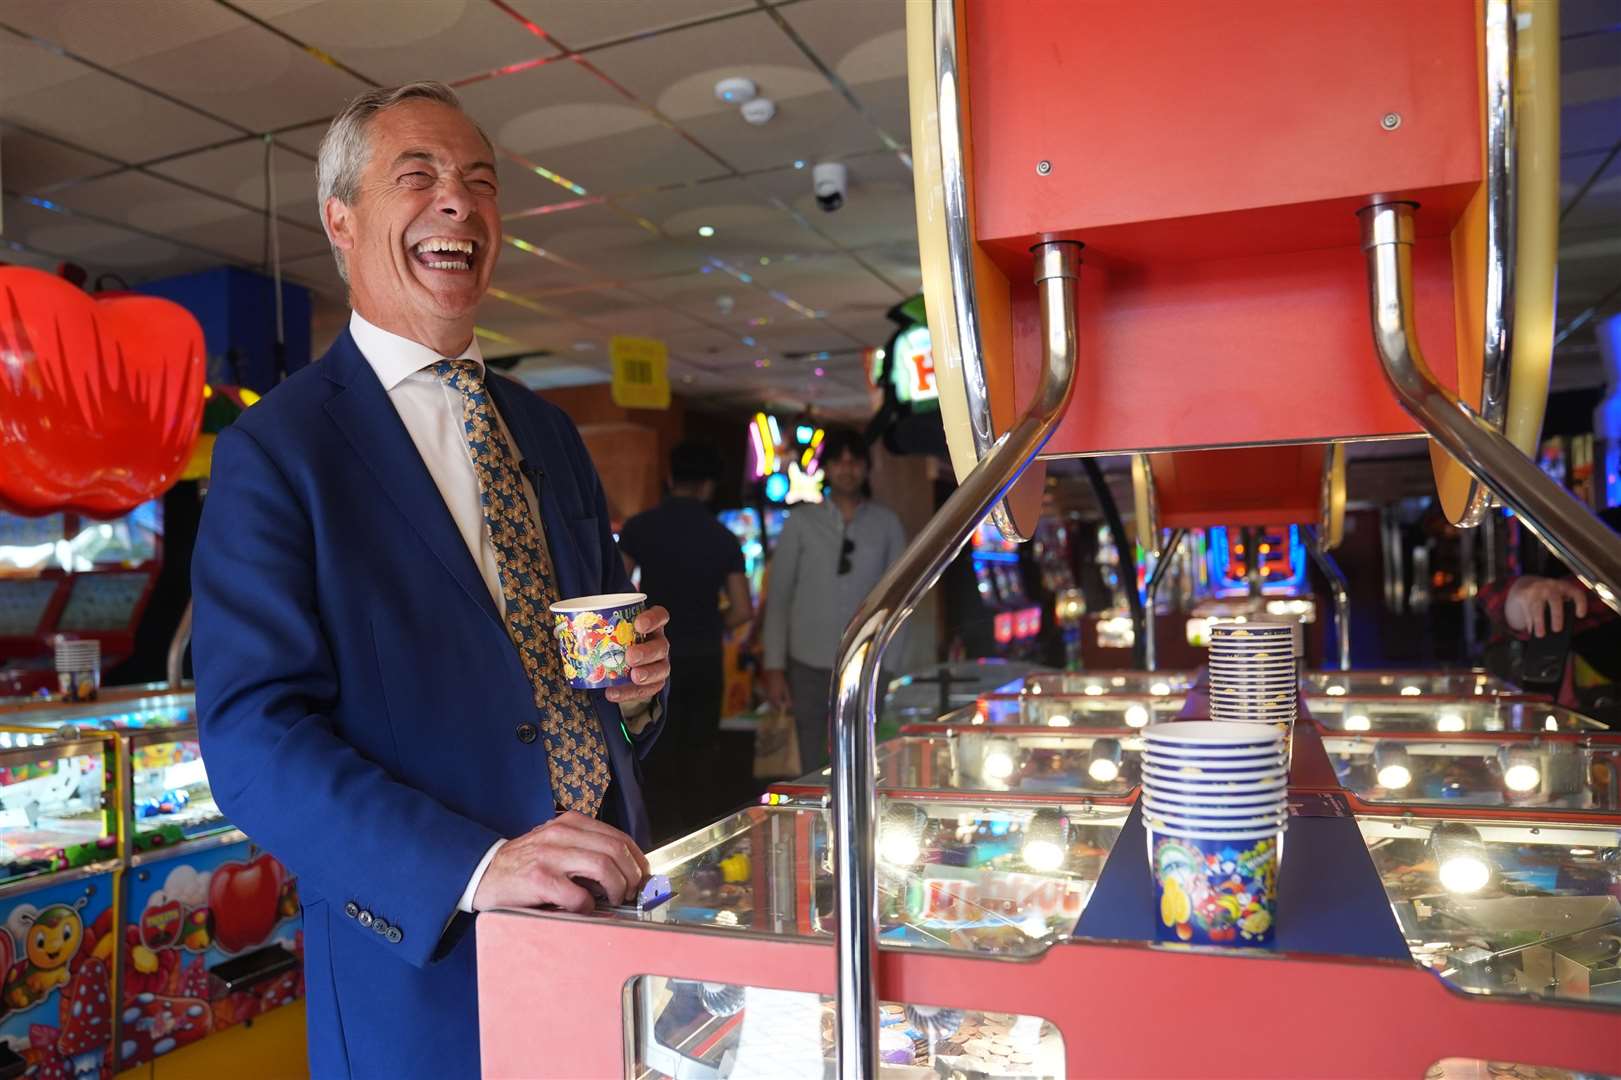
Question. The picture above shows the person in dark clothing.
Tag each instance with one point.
(689, 561)
(1531, 605)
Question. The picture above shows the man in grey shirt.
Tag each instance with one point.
(827, 560)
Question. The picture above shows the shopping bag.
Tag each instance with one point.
(776, 747)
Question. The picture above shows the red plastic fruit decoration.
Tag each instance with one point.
(100, 398)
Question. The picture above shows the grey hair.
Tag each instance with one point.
(345, 148)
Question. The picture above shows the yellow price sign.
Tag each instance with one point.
(641, 373)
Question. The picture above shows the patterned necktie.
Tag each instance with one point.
(575, 750)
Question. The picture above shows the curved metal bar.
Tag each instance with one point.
(1502, 194)
(960, 337)
(855, 799)
(1559, 520)
(1342, 594)
(176, 660)
(1161, 565)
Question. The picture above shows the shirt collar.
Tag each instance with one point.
(395, 358)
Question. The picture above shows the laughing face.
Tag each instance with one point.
(421, 239)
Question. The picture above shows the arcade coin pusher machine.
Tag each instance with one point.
(1255, 188)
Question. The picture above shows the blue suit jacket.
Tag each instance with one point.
(359, 698)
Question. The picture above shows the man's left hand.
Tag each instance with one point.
(649, 660)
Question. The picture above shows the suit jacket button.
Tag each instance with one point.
(364, 918)
(380, 926)
(394, 935)
(527, 732)
(351, 909)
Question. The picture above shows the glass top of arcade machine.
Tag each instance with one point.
(962, 876)
(1498, 907)
(987, 764)
(1096, 683)
(1534, 773)
(1482, 715)
(1471, 682)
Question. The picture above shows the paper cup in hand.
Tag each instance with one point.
(594, 634)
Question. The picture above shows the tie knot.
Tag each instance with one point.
(462, 374)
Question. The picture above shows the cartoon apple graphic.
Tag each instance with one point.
(243, 898)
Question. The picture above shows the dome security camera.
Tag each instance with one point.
(830, 180)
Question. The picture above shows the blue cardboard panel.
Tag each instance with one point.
(187, 915)
(1330, 899)
(56, 1007)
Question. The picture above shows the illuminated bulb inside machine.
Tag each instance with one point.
(1550, 724)
(900, 834)
(1391, 766)
(998, 761)
(1103, 764)
(1160, 689)
(1449, 721)
(1358, 722)
(1461, 862)
(1522, 768)
(1411, 691)
(1336, 691)
(1045, 840)
(1059, 720)
(1093, 690)
(1136, 716)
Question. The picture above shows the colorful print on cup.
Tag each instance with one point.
(593, 634)
(1215, 891)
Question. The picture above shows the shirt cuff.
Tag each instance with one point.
(637, 715)
(466, 902)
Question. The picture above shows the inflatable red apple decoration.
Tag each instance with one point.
(100, 398)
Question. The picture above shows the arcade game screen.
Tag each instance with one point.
(51, 813)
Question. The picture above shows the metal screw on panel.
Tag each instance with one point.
(1043, 168)
(1390, 121)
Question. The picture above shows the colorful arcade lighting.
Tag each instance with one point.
(1461, 862)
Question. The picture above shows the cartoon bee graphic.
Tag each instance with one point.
(52, 940)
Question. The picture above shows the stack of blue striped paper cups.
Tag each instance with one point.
(1215, 806)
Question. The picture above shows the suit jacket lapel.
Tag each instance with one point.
(373, 427)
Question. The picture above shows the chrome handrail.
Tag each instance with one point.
(1342, 593)
(1558, 519)
(1501, 236)
(1157, 575)
(959, 336)
(855, 801)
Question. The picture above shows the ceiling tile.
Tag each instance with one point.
(747, 225)
(397, 43)
(878, 209)
(320, 273)
(103, 32)
(63, 98)
(99, 247)
(249, 77)
(238, 170)
(582, 25)
(809, 127)
(564, 118)
(31, 162)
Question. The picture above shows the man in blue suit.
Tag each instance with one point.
(380, 698)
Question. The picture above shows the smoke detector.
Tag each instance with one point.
(736, 90)
(759, 111)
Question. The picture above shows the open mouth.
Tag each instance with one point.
(446, 253)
